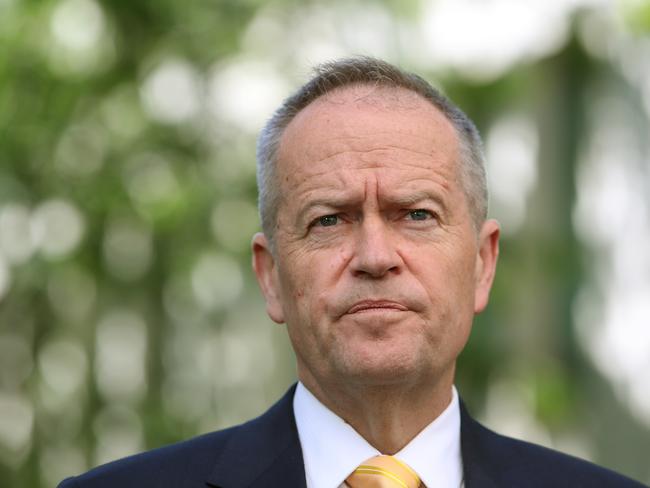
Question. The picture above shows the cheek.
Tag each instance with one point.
(313, 285)
(298, 288)
(448, 284)
(316, 269)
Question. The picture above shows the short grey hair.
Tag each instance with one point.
(367, 71)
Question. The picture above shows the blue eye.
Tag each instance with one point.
(420, 214)
(328, 220)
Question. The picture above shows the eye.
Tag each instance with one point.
(327, 220)
(420, 214)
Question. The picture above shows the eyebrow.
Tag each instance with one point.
(327, 202)
(411, 198)
(404, 200)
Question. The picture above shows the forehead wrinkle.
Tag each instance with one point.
(377, 158)
(435, 181)
(368, 145)
(313, 185)
(324, 180)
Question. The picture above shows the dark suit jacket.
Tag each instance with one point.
(265, 452)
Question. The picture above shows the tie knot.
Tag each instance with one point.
(383, 472)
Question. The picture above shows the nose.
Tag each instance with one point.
(375, 254)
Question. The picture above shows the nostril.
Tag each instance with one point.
(376, 269)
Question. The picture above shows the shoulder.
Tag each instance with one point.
(237, 453)
(161, 467)
(512, 462)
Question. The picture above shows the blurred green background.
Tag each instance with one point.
(129, 317)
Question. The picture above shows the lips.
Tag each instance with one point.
(368, 305)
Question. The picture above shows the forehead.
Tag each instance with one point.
(367, 125)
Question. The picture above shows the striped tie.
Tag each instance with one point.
(383, 472)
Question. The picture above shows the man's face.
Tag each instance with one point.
(377, 268)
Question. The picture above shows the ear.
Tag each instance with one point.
(486, 263)
(267, 277)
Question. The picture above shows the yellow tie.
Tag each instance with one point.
(383, 472)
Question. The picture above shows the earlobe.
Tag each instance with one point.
(488, 253)
(265, 270)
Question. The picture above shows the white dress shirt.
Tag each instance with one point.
(332, 449)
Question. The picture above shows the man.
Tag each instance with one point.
(376, 253)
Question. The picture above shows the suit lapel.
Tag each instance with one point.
(477, 469)
(263, 452)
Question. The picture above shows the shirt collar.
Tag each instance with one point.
(434, 454)
(332, 449)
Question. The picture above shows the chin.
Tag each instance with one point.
(383, 368)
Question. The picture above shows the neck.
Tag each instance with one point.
(387, 416)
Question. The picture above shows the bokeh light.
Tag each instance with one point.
(171, 92)
(16, 243)
(81, 43)
(511, 151)
(120, 354)
(16, 423)
(216, 280)
(245, 92)
(57, 227)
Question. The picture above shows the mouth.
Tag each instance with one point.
(376, 305)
